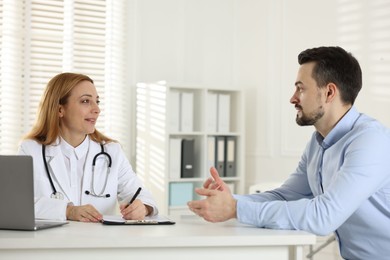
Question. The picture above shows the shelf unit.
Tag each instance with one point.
(156, 124)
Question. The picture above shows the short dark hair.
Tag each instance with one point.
(335, 65)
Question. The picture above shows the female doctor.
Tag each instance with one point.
(65, 145)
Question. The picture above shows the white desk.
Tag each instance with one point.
(190, 238)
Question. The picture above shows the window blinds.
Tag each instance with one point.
(40, 39)
(11, 85)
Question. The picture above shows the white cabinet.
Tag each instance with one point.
(181, 133)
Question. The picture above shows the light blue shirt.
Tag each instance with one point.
(341, 185)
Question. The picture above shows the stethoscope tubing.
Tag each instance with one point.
(102, 153)
(56, 194)
(47, 170)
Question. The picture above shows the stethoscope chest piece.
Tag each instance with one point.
(57, 195)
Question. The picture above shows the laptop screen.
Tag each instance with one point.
(17, 195)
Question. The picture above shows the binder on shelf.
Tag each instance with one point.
(212, 112)
(187, 112)
(223, 124)
(174, 111)
(211, 151)
(230, 159)
(187, 158)
(220, 155)
(175, 158)
(180, 193)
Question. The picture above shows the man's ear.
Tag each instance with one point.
(331, 90)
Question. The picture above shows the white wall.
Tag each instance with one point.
(254, 44)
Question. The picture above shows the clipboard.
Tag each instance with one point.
(154, 220)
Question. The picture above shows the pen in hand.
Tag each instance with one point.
(135, 196)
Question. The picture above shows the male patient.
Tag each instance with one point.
(342, 182)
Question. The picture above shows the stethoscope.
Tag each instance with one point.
(58, 195)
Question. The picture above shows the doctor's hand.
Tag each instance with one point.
(136, 210)
(219, 204)
(84, 213)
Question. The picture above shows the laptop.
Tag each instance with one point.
(17, 195)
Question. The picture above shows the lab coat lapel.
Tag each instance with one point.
(57, 168)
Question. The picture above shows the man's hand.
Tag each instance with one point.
(219, 204)
(214, 182)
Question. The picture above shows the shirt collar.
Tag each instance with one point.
(345, 125)
(79, 151)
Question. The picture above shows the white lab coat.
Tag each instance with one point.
(121, 185)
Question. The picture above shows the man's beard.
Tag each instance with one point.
(310, 119)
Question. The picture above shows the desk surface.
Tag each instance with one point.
(189, 231)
